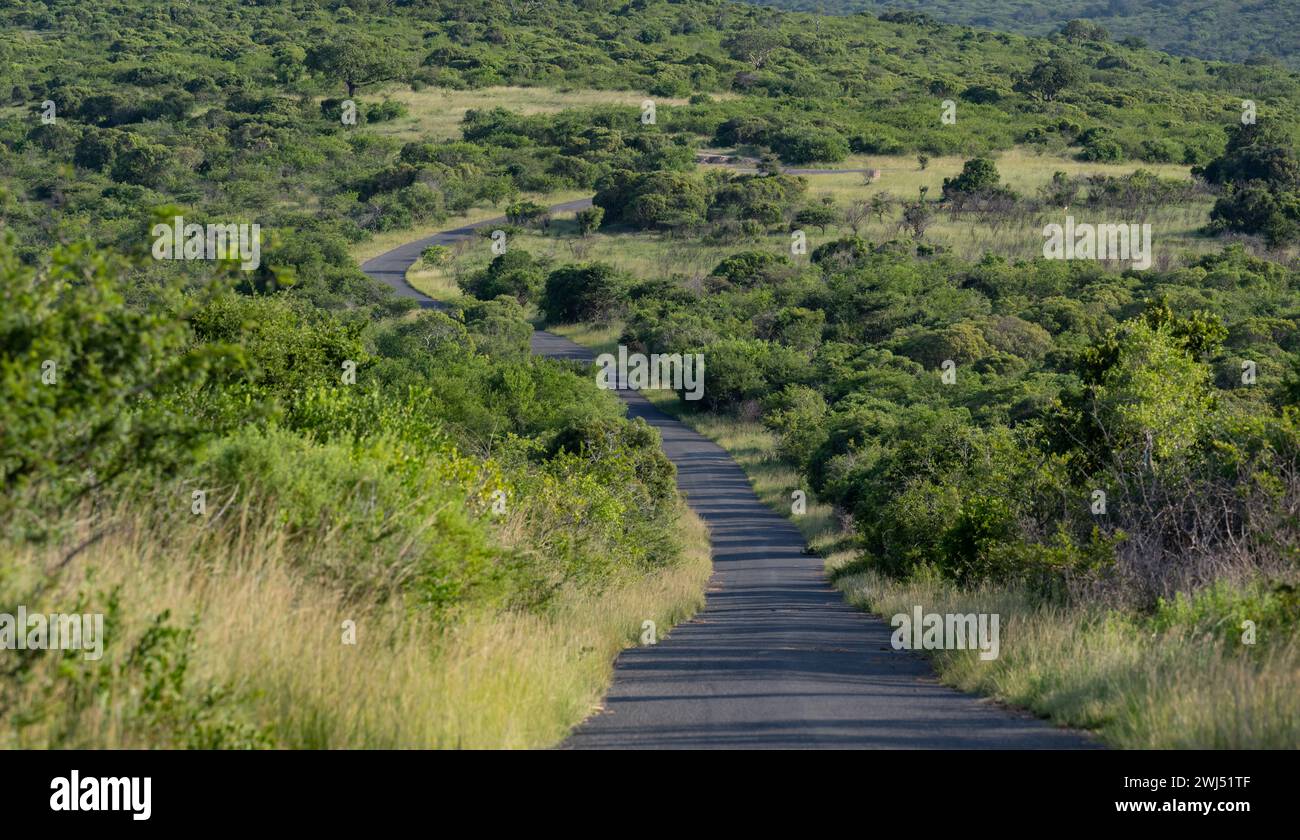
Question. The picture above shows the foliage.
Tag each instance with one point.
(1261, 176)
(1066, 384)
(588, 292)
(1226, 30)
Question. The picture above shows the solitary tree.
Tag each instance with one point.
(818, 217)
(589, 220)
(754, 46)
(881, 204)
(356, 62)
(917, 216)
(856, 213)
(977, 175)
(1049, 78)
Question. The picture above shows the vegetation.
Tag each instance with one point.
(1082, 471)
(1260, 175)
(1168, 679)
(252, 123)
(453, 483)
(1227, 30)
(1072, 438)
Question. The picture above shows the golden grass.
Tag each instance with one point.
(1085, 668)
(274, 642)
(436, 282)
(388, 240)
(650, 254)
(599, 338)
(1023, 169)
(526, 681)
(436, 113)
(1174, 229)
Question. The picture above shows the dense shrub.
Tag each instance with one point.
(586, 292)
(514, 273)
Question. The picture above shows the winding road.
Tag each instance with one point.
(776, 659)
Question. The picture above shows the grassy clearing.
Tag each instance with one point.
(388, 240)
(265, 664)
(1023, 169)
(436, 113)
(649, 254)
(1174, 228)
(1080, 666)
(597, 338)
(434, 282)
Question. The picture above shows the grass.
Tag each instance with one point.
(1086, 668)
(1024, 169)
(599, 338)
(1175, 229)
(388, 240)
(435, 282)
(1076, 665)
(436, 113)
(649, 254)
(269, 645)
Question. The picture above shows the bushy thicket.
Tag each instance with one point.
(1135, 432)
(392, 435)
(235, 111)
(422, 463)
(1259, 175)
(1222, 30)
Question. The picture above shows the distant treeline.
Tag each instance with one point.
(1226, 30)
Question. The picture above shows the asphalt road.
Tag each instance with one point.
(776, 659)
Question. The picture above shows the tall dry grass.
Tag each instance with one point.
(1136, 687)
(268, 643)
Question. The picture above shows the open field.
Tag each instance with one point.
(1023, 168)
(436, 113)
(652, 254)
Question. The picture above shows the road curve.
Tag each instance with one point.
(776, 659)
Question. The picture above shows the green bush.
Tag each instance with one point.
(586, 292)
(514, 273)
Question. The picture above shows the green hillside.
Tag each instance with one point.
(188, 442)
(1223, 30)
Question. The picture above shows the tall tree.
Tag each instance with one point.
(355, 62)
(1049, 78)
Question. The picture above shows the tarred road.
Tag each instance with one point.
(776, 658)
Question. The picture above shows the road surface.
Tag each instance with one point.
(776, 659)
